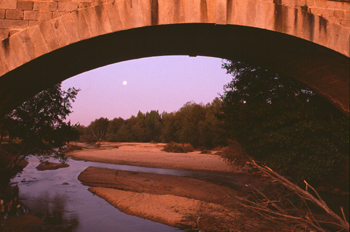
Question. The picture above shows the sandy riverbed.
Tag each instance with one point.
(176, 201)
(151, 155)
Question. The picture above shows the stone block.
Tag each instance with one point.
(14, 31)
(4, 33)
(221, 12)
(339, 14)
(14, 14)
(2, 14)
(25, 5)
(32, 42)
(16, 24)
(58, 13)
(321, 4)
(347, 14)
(344, 37)
(326, 13)
(114, 18)
(345, 22)
(47, 30)
(71, 27)
(102, 1)
(8, 4)
(3, 66)
(82, 5)
(146, 12)
(252, 12)
(310, 2)
(92, 21)
(102, 15)
(94, 4)
(125, 14)
(67, 0)
(67, 6)
(33, 23)
(241, 9)
(15, 54)
(80, 22)
(338, 5)
(37, 15)
(291, 3)
(45, 6)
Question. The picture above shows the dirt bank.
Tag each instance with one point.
(151, 155)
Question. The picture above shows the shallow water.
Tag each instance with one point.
(57, 197)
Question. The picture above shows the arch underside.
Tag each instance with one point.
(323, 70)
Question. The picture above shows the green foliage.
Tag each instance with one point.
(193, 123)
(112, 129)
(284, 124)
(99, 128)
(196, 124)
(39, 122)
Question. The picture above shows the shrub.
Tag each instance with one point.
(205, 152)
(178, 147)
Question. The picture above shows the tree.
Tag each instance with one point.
(99, 128)
(113, 128)
(37, 125)
(284, 124)
(154, 125)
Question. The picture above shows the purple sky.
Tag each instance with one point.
(157, 83)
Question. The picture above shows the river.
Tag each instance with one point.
(58, 198)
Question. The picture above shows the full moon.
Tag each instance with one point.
(124, 82)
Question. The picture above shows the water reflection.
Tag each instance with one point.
(64, 204)
(52, 211)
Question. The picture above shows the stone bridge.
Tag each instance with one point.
(43, 42)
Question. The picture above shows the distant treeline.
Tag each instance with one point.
(194, 123)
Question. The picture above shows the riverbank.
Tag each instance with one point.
(151, 155)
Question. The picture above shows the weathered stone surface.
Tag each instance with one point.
(2, 14)
(14, 14)
(37, 15)
(25, 5)
(45, 6)
(7, 23)
(67, 6)
(8, 4)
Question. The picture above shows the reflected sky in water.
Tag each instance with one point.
(58, 198)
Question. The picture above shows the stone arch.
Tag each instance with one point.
(287, 39)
